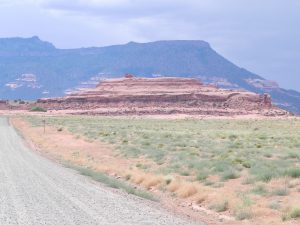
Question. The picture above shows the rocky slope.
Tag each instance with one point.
(168, 95)
(31, 68)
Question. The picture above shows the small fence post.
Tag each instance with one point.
(44, 122)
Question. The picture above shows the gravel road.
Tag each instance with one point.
(35, 190)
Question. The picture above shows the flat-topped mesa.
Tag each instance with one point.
(163, 95)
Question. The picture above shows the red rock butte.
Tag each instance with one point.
(164, 95)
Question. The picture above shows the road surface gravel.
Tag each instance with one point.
(36, 191)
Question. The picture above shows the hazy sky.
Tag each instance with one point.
(262, 36)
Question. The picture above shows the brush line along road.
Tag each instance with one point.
(36, 191)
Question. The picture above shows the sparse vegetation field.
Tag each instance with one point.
(226, 148)
(255, 160)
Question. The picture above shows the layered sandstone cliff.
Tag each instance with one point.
(166, 95)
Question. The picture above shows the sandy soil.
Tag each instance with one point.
(171, 116)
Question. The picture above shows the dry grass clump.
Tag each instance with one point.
(243, 208)
(186, 190)
(292, 213)
(295, 213)
(221, 206)
(137, 178)
(145, 179)
(200, 197)
(243, 214)
(151, 181)
(293, 183)
(182, 189)
(174, 185)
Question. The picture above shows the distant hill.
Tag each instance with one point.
(31, 68)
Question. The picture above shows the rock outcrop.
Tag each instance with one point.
(3, 105)
(164, 95)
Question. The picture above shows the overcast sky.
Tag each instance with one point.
(262, 36)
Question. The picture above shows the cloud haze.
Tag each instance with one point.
(261, 36)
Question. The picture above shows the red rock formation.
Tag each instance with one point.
(3, 105)
(167, 95)
(19, 105)
(129, 76)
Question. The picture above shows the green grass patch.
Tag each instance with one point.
(202, 176)
(294, 172)
(230, 174)
(248, 180)
(111, 181)
(243, 211)
(38, 109)
(260, 190)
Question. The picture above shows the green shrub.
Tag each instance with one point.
(220, 207)
(248, 180)
(230, 174)
(208, 183)
(185, 173)
(268, 155)
(274, 205)
(37, 109)
(243, 214)
(294, 172)
(266, 177)
(218, 185)
(295, 213)
(168, 181)
(260, 190)
(246, 164)
(232, 137)
(293, 155)
(201, 176)
(281, 191)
